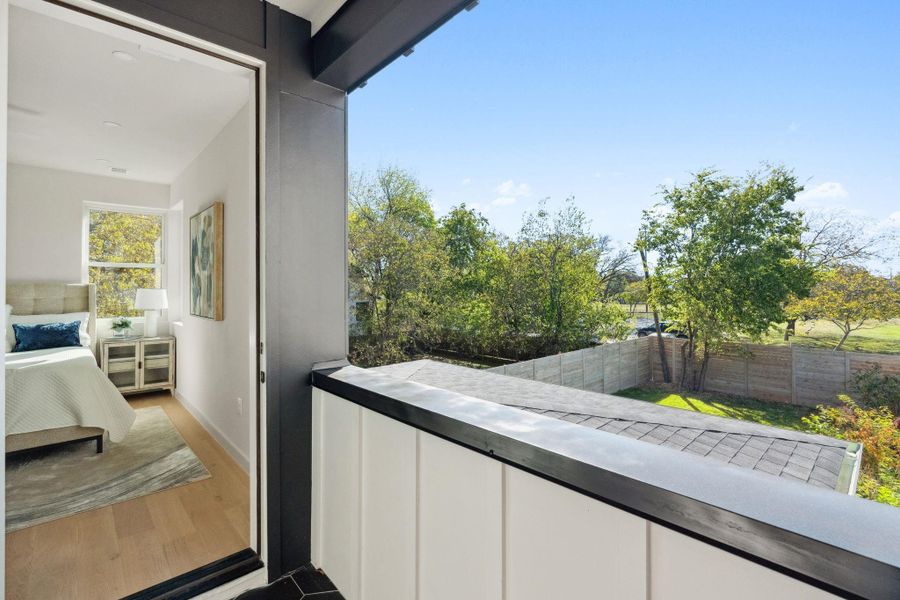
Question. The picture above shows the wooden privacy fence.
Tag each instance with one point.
(788, 374)
(607, 368)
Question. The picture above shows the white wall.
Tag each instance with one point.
(216, 359)
(400, 514)
(4, 93)
(45, 210)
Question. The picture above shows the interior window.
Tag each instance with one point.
(125, 252)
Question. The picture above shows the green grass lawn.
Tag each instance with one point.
(766, 413)
(880, 337)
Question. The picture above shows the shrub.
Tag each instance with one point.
(877, 389)
(877, 431)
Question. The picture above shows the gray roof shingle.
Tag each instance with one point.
(813, 459)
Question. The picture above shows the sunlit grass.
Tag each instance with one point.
(745, 409)
(880, 337)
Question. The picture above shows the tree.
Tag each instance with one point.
(832, 239)
(660, 345)
(615, 269)
(464, 293)
(560, 265)
(634, 293)
(851, 297)
(122, 237)
(393, 261)
(727, 260)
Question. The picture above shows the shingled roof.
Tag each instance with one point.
(813, 459)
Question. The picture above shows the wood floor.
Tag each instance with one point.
(116, 550)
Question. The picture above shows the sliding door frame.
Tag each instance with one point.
(226, 573)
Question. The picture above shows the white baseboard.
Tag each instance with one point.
(233, 450)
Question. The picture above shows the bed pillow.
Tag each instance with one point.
(41, 336)
(82, 317)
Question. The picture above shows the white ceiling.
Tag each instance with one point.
(64, 83)
(316, 12)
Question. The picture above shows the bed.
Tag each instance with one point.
(60, 395)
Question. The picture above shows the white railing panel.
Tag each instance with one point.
(388, 557)
(460, 523)
(683, 568)
(400, 514)
(561, 544)
(338, 477)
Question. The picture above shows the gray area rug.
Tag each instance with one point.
(44, 485)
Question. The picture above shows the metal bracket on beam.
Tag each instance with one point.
(363, 37)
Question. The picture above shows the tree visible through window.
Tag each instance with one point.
(125, 252)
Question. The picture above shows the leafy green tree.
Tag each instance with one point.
(634, 293)
(122, 238)
(561, 257)
(393, 262)
(471, 250)
(727, 260)
(832, 239)
(851, 298)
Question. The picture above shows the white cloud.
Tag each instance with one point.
(510, 191)
(829, 189)
(466, 181)
(510, 188)
(891, 222)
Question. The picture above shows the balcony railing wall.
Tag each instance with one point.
(402, 514)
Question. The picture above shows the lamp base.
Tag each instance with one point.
(151, 323)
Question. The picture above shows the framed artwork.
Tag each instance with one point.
(207, 257)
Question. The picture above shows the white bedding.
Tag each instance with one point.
(61, 387)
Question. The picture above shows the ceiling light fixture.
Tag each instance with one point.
(112, 124)
(122, 56)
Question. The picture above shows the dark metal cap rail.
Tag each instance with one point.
(838, 543)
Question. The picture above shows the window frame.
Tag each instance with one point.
(87, 263)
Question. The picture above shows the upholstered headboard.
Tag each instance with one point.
(48, 298)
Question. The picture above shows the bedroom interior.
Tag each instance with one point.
(131, 310)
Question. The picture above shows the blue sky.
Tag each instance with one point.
(521, 100)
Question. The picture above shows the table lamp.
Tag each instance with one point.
(151, 301)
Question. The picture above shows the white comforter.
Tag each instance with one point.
(61, 387)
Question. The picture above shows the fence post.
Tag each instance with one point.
(582, 367)
(846, 372)
(601, 353)
(746, 358)
(793, 374)
(637, 358)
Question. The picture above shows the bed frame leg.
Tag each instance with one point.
(100, 444)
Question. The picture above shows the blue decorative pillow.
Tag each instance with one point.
(46, 335)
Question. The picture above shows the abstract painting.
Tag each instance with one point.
(207, 255)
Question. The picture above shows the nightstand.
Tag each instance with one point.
(139, 364)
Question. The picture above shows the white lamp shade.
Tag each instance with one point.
(146, 299)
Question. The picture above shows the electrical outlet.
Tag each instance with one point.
(239, 403)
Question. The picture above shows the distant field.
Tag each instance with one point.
(881, 337)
